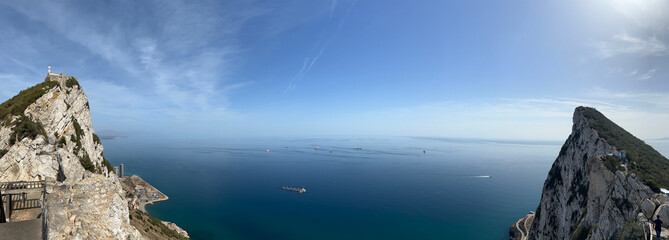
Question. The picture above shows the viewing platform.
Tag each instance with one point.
(22, 211)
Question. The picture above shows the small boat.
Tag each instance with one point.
(299, 190)
(267, 150)
(357, 148)
(317, 148)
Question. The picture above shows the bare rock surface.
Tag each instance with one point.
(92, 208)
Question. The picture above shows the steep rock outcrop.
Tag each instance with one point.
(92, 208)
(61, 111)
(589, 196)
(57, 143)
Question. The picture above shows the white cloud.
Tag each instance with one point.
(647, 75)
(652, 14)
(184, 56)
(623, 43)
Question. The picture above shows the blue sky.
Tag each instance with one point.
(464, 69)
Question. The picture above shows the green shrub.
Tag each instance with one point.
(110, 168)
(77, 128)
(18, 104)
(164, 229)
(25, 127)
(645, 161)
(3, 152)
(581, 233)
(76, 138)
(71, 82)
(96, 139)
(61, 142)
(77, 145)
(85, 161)
(631, 230)
(7, 122)
(653, 185)
(611, 163)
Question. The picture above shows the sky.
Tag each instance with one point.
(243, 68)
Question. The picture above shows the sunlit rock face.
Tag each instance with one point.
(82, 204)
(583, 199)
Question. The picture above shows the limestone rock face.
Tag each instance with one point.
(87, 204)
(57, 110)
(583, 199)
(92, 208)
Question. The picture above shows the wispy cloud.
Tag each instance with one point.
(157, 61)
(647, 75)
(319, 46)
(333, 6)
(308, 62)
(624, 43)
(182, 51)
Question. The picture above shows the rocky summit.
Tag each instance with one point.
(604, 184)
(46, 134)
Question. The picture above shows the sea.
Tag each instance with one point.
(357, 187)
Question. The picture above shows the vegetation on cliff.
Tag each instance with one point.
(631, 230)
(71, 82)
(18, 104)
(25, 127)
(152, 227)
(644, 161)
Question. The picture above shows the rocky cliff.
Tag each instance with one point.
(46, 133)
(598, 187)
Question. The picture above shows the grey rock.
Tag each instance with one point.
(581, 193)
(648, 208)
(663, 212)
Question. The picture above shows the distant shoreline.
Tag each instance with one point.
(142, 206)
(111, 137)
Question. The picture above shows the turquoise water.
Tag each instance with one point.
(390, 189)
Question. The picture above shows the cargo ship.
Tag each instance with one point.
(300, 190)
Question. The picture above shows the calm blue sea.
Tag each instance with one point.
(390, 189)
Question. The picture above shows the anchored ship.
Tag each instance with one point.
(300, 190)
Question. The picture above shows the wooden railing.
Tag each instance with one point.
(14, 196)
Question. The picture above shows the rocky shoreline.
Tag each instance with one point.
(139, 193)
(142, 192)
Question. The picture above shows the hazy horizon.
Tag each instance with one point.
(469, 70)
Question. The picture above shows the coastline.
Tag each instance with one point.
(142, 206)
(143, 193)
(139, 193)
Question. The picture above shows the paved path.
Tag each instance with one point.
(28, 230)
(521, 231)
